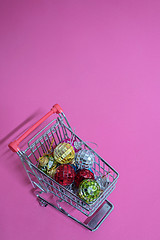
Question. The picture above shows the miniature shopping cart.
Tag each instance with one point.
(50, 192)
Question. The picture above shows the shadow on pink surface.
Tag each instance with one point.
(19, 127)
(11, 162)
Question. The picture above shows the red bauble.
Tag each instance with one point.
(83, 174)
(65, 174)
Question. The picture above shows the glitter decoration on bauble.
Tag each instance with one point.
(64, 153)
(77, 145)
(47, 164)
(65, 174)
(103, 181)
(85, 159)
(89, 190)
(83, 174)
(52, 170)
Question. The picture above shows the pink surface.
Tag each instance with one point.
(100, 60)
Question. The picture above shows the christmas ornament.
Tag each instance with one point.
(103, 181)
(48, 165)
(64, 153)
(45, 162)
(83, 174)
(89, 190)
(65, 174)
(51, 171)
(76, 144)
(85, 159)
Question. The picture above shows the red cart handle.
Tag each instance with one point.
(14, 145)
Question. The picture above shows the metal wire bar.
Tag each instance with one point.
(57, 130)
(63, 193)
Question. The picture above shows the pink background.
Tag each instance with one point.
(100, 60)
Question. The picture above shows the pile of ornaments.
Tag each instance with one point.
(70, 166)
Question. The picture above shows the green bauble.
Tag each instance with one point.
(89, 190)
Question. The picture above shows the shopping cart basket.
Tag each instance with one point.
(50, 192)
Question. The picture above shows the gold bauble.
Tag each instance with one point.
(64, 153)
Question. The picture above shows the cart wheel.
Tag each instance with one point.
(42, 203)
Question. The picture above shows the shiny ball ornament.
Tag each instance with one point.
(64, 153)
(43, 161)
(77, 145)
(65, 174)
(89, 190)
(103, 181)
(51, 171)
(83, 174)
(46, 162)
(85, 159)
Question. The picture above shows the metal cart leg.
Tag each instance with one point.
(93, 222)
(42, 203)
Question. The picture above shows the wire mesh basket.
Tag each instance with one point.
(56, 132)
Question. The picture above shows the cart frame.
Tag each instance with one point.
(56, 131)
